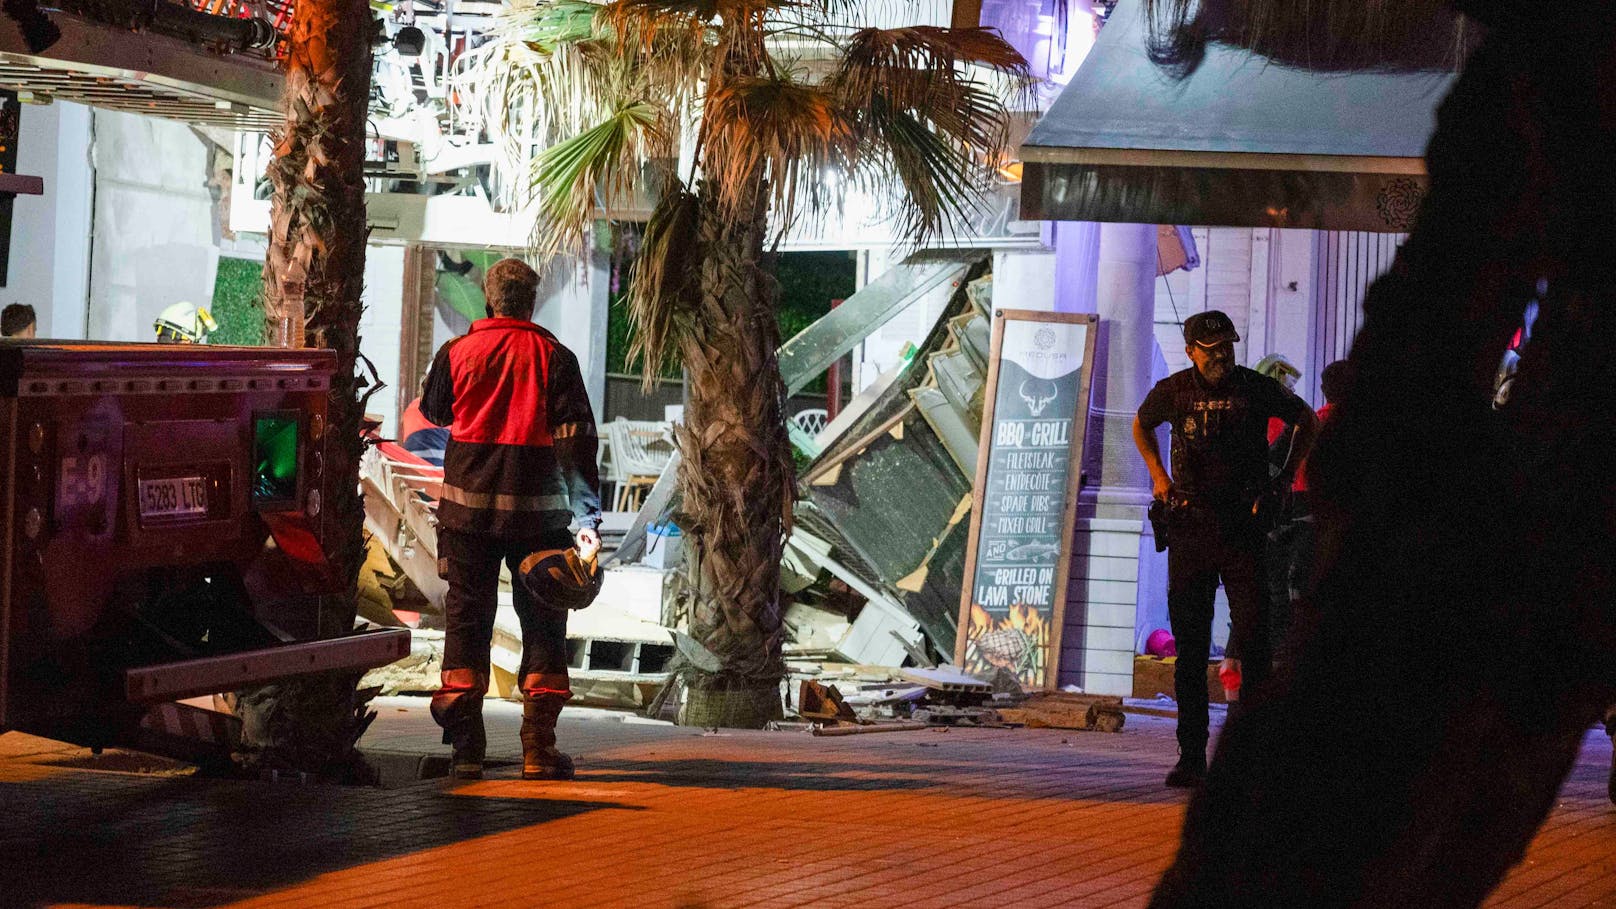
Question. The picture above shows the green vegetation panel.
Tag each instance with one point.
(808, 282)
(238, 296)
(464, 292)
(238, 303)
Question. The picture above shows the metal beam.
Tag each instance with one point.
(144, 73)
(227, 672)
(816, 347)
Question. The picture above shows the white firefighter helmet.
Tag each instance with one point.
(185, 323)
(1279, 367)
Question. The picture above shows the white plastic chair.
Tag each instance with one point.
(811, 421)
(640, 450)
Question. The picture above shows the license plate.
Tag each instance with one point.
(173, 497)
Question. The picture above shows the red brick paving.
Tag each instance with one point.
(665, 817)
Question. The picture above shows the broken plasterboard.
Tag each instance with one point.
(877, 635)
(947, 678)
(810, 629)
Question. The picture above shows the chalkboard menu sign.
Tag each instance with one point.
(1013, 599)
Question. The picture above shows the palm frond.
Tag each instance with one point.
(920, 114)
(578, 102)
(662, 12)
(777, 129)
(649, 29)
(838, 18)
(556, 24)
(969, 114)
(589, 94)
(541, 75)
(905, 64)
(941, 180)
(923, 70)
(594, 169)
(662, 297)
(664, 45)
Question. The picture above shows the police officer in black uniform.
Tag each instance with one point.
(1219, 415)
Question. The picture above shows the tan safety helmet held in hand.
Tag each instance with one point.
(563, 579)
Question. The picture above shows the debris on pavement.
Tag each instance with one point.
(417, 673)
(1064, 710)
(819, 730)
(823, 702)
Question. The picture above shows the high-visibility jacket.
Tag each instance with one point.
(522, 442)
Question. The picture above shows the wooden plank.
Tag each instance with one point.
(1064, 710)
(415, 322)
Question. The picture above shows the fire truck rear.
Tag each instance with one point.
(164, 537)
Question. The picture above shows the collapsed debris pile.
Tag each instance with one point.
(871, 577)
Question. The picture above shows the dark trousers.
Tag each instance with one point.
(470, 562)
(1208, 545)
(1289, 554)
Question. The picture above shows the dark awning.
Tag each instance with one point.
(1240, 142)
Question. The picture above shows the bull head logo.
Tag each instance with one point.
(1037, 395)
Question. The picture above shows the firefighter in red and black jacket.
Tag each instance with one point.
(519, 469)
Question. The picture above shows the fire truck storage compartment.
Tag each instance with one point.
(163, 530)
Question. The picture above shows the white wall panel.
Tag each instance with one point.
(50, 233)
(380, 330)
(153, 242)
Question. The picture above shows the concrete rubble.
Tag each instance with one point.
(871, 573)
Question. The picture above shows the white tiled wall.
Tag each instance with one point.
(1097, 640)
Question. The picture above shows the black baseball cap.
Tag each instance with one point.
(1209, 329)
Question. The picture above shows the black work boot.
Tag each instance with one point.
(470, 744)
(1190, 772)
(457, 706)
(540, 759)
(1610, 730)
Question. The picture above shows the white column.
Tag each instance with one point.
(1077, 255)
(1098, 637)
(379, 332)
(1125, 297)
(50, 233)
(593, 359)
(1290, 301)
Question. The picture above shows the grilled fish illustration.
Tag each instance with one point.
(1028, 552)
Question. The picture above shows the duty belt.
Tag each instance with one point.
(1197, 503)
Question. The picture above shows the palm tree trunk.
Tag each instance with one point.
(312, 281)
(736, 477)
